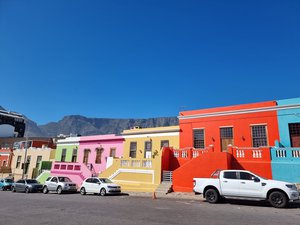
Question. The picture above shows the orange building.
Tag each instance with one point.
(233, 137)
(248, 125)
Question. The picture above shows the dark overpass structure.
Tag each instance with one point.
(13, 119)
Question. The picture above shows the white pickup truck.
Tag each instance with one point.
(243, 184)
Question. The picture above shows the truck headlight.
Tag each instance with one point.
(291, 186)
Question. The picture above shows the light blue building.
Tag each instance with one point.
(286, 155)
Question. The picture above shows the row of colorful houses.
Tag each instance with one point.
(262, 137)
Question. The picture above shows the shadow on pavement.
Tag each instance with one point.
(261, 203)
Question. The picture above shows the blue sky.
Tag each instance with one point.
(143, 59)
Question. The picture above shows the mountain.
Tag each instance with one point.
(76, 124)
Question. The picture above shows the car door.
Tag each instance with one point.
(52, 184)
(250, 185)
(20, 185)
(87, 185)
(229, 183)
(95, 185)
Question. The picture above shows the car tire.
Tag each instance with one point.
(3, 188)
(27, 190)
(45, 190)
(102, 192)
(278, 199)
(13, 189)
(59, 190)
(82, 191)
(212, 195)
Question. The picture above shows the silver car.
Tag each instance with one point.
(59, 185)
(27, 186)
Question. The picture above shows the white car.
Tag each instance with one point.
(245, 185)
(100, 186)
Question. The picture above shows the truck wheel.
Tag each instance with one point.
(212, 196)
(59, 190)
(278, 199)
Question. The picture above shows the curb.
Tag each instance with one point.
(172, 195)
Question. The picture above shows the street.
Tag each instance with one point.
(36, 208)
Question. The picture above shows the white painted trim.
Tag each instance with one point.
(132, 171)
(151, 135)
(68, 144)
(242, 111)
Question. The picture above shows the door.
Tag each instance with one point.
(229, 183)
(88, 185)
(86, 156)
(95, 185)
(53, 184)
(249, 186)
(226, 134)
(148, 149)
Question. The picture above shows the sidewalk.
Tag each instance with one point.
(172, 195)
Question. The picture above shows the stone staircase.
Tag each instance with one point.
(164, 188)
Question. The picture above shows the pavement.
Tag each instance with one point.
(172, 195)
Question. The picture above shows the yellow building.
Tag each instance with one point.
(34, 159)
(140, 167)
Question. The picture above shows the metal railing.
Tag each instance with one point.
(167, 176)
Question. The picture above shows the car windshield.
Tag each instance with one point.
(64, 179)
(9, 180)
(105, 180)
(31, 181)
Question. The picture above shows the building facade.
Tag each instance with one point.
(82, 157)
(140, 167)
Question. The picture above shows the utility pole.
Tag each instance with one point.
(24, 164)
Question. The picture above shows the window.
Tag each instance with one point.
(199, 138)
(21, 182)
(86, 153)
(63, 155)
(99, 152)
(133, 147)
(95, 181)
(246, 176)
(54, 179)
(74, 155)
(294, 129)
(230, 175)
(18, 161)
(112, 152)
(226, 134)
(259, 136)
(148, 149)
(38, 161)
(48, 178)
(89, 180)
(164, 143)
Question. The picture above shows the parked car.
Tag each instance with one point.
(59, 185)
(245, 185)
(6, 183)
(100, 186)
(27, 186)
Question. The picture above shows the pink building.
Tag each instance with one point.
(82, 157)
(95, 150)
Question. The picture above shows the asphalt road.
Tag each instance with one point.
(66, 209)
